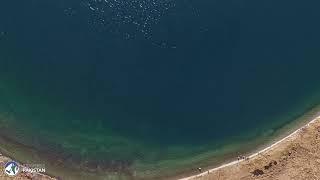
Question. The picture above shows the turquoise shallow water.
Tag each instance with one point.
(142, 86)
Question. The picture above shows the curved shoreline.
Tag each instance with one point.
(203, 174)
(255, 154)
(290, 130)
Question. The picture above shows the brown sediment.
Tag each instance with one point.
(61, 163)
(4, 158)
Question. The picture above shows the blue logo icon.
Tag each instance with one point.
(11, 168)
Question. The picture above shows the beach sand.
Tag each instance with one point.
(294, 157)
(21, 175)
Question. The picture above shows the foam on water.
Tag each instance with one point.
(133, 18)
(127, 17)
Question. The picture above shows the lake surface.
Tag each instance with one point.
(143, 86)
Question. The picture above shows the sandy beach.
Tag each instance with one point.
(295, 156)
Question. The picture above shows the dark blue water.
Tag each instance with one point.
(133, 80)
